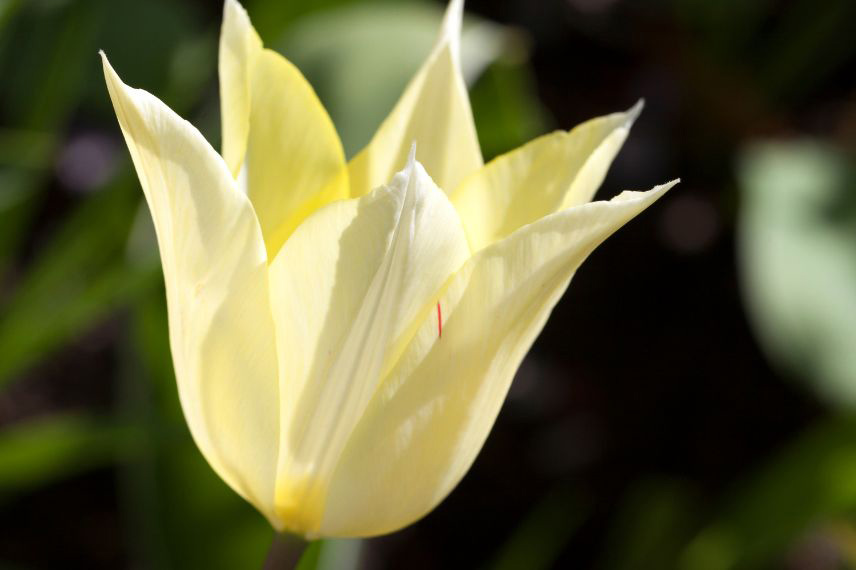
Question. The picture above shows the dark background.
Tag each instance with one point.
(660, 421)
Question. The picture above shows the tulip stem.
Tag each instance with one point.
(285, 552)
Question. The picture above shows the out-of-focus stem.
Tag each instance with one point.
(285, 552)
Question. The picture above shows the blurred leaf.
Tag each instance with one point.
(26, 148)
(191, 70)
(181, 515)
(788, 48)
(272, 18)
(79, 277)
(309, 560)
(43, 450)
(45, 52)
(656, 520)
(8, 9)
(798, 259)
(359, 58)
(540, 537)
(337, 554)
(16, 192)
(724, 27)
(807, 484)
(506, 108)
(807, 47)
(49, 62)
(162, 28)
(13, 185)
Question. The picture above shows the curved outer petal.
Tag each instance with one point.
(430, 417)
(240, 45)
(551, 173)
(277, 136)
(215, 270)
(348, 286)
(434, 112)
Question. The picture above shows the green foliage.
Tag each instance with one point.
(806, 485)
(360, 57)
(311, 557)
(538, 540)
(658, 516)
(44, 450)
(48, 82)
(78, 279)
(798, 256)
(181, 515)
(790, 56)
(506, 108)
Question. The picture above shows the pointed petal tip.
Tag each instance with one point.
(232, 5)
(411, 157)
(235, 12)
(105, 65)
(660, 191)
(663, 188)
(651, 195)
(452, 26)
(454, 17)
(109, 73)
(454, 152)
(631, 114)
(115, 86)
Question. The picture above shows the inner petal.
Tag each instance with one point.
(346, 289)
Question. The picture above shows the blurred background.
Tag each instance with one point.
(692, 401)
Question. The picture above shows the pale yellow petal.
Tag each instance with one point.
(278, 140)
(240, 45)
(434, 112)
(215, 270)
(431, 415)
(295, 163)
(551, 173)
(347, 288)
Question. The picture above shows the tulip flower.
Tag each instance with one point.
(344, 333)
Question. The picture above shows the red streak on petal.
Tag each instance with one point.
(439, 322)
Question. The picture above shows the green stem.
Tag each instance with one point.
(285, 552)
